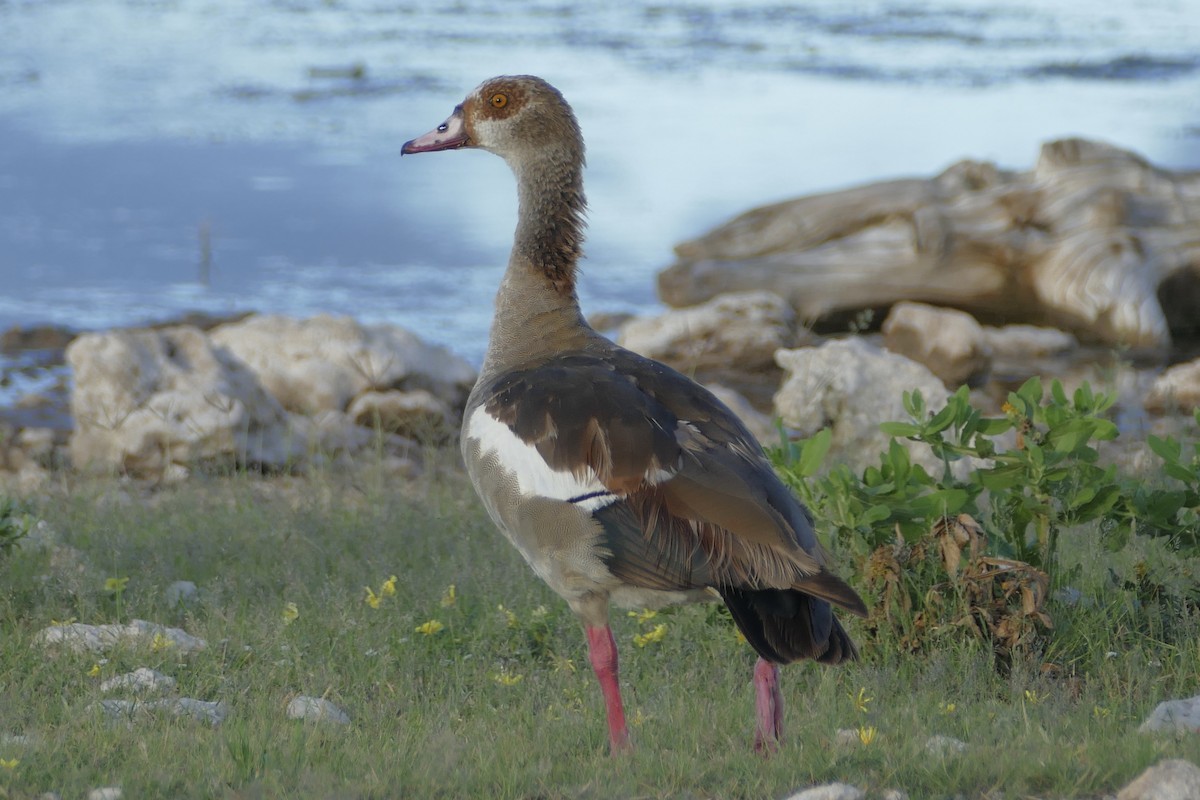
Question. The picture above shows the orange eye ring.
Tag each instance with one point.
(499, 100)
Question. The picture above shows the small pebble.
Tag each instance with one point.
(316, 708)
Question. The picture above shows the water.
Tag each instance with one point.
(130, 132)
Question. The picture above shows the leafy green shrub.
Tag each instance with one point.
(1032, 473)
(14, 525)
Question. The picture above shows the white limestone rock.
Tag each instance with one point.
(852, 386)
(1085, 240)
(208, 711)
(141, 681)
(1024, 342)
(949, 342)
(106, 793)
(1174, 716)
(147, 401)
(1173, 779)
(81, 638)
(324, 363)
(829, 791)
(737, 331)
(316, 709)
(1177, 389)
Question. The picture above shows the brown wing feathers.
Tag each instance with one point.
(699, 505)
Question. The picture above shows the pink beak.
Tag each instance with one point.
(450, 135)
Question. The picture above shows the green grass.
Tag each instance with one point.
(430, 717)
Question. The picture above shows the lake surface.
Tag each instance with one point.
(134, 136)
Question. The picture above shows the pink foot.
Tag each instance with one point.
(602, 650)
(768, 707)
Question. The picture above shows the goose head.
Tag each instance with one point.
(520, 118)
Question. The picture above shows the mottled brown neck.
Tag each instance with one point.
(537, 311)
(551, 210)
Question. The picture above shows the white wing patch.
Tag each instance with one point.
(533, 475)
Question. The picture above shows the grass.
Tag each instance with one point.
(501, 702)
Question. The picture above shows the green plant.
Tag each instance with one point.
(15, 525)
(1007, 489)
(1173, 512)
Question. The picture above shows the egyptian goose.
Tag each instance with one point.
(617, 478)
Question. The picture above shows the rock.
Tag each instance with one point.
(1083, 241)
(1173, 779)
(416, 414)
(324, 363)
(105, 793)
(316, 709)
(1174, 716)
(829, 791)
(181, 593)
(894, 794)
(759, 424)
(329, 434)
(1177, 389)
(738, 331)
(949, 342)
(38, 337)
(145, 401)
(212, 712)
(942, 746)
(846, 737)
(1022, 342)
(852, 386)
(81, 638)
(141, 681)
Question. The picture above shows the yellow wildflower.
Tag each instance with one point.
(1032, 697)
(290, 613)
(564, 665)
(160, 642)
(9, 763)
(116, 584)
(450, 598)
(67, 621)
(372, 599)
(1009, 409)
(656, 634)
(638, 719)
(94, 672)
(643, 616)
(1100, 712)
(429, 628)
(389, 587)
(741, 637)
(947, 708)
(506, 678)
(866, 735)
(539, 613)
(861, 701)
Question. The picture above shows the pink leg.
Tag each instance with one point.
(602, 649)
(768, 706)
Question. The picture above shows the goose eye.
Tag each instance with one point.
(499, 100)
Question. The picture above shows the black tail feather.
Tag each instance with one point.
(785, 625)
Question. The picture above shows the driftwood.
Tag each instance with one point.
(1086, 241)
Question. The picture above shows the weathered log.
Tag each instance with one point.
(1083, 242)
